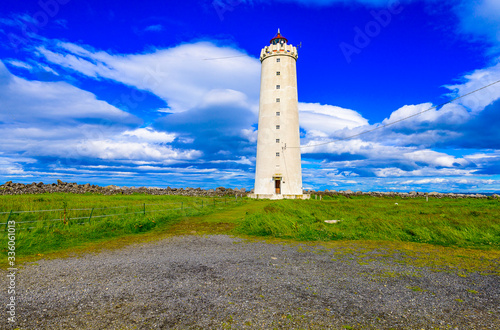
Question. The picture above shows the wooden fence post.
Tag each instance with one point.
(91, 215)
(8, 218)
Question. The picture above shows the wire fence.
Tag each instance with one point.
(82, 216)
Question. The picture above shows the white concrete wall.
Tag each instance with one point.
(287, 165)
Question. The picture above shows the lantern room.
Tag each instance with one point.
(279, 39)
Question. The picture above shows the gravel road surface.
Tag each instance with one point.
(222, 282)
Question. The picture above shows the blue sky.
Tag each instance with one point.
(165, 93)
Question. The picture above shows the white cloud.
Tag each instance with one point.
(19, 64)
(398, 172)
(450, 181)
(78, 148)
(249, 134)
(425, 181)
(480, 18)
(482, 156)
(414, 115)
(437, 159)
(180, 75)
(123, 150)
(409, 111)
(48, 69)
(29, 67)
(227, 97)
(58, 120)
(325, 120)
(385, 160)
(149, 135)
(9, 166)
(411, 125)
(353, 146)
(241, 160)
(52, 102)
(475, 80)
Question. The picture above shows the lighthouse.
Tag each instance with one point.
(278, 172)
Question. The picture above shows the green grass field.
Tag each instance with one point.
(458, 227)
(472, 223)
(70, 220)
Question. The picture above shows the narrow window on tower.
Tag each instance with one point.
(277, 140)
(277, 73)
(278, 99)
(278, 86)
(278, 113)
(278, 59)
(277, 154)
(277, 126)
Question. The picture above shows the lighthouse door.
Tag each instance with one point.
(277, 185)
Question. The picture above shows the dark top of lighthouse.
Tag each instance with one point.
(279, 39)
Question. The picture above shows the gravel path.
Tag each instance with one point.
(217, 282)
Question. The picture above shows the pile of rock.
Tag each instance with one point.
(411, 194)
(11, 188)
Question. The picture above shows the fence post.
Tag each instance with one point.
(91, 215)
(8, 218)
(182, 206)
(144, 209)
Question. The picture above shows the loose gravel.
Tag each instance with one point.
(218, 282)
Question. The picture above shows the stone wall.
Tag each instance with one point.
(10, 188)
(412, 194)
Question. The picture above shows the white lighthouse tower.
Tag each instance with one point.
(278, 172)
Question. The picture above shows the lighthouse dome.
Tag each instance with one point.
(278, 39)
